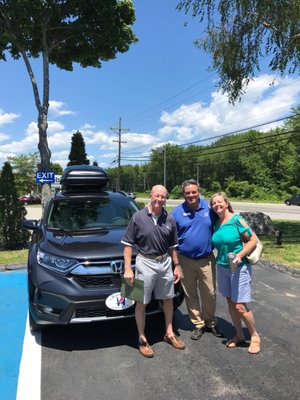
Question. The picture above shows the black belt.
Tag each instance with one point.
(151, 257)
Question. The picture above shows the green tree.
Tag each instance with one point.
(12, 212)
(62, 32)
(241, 33)
(56, 168)
(293, 124)
(24, 168)
(77, 154)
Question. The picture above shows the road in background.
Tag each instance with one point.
(274, 211)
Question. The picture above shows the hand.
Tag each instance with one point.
(237, 259)
(129, 276)
(178, 274)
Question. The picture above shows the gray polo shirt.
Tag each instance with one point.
(150, 238)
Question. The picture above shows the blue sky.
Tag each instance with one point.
(161, 89)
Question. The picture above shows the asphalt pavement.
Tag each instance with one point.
(101, 360)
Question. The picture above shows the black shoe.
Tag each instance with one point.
(215, 331)
(197, 333)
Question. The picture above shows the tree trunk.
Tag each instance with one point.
(45, 153)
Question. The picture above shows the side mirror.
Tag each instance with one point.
(30, 224)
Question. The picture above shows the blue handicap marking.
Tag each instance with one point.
(13, 311)
(44, 177)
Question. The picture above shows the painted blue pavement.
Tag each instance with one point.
(13, 311)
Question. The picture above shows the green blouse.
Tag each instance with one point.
(226, 239)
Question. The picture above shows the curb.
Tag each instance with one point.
(12, 267)
(295, 272)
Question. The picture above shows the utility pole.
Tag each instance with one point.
(163, 150)
(119, 132)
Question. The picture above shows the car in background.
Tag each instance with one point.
(75, 260)
(128, 194)
(131, 195)
(30, 199)
(293, 201)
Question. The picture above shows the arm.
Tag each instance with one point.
(178, 274)
(250, 243)
(128, 273)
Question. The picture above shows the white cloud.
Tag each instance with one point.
(3, 137)
(7, 118)
(267, 98)
(58, 109)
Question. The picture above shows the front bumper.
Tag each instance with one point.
(62, 300)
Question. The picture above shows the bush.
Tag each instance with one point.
(176, 192)
(12, 212)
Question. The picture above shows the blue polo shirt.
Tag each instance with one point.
(195, 229)
(150, 238)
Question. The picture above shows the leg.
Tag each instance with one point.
(207, 286)
(237, 322)
(168, 312)
(140, 318)
(190, 287)
(241, 295)
(248, 319)
(170, 337)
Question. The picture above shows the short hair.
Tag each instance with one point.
(190, 182)
(160, 187)
(225, 197)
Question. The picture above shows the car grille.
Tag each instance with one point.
(91, 312)
(92, 281)
(101, 311)
(101, 273)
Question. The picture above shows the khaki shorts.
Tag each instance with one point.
(157, 276)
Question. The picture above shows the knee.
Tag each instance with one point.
(241, 308)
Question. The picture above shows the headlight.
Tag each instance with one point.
(59, 264)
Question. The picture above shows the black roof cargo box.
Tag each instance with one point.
(83, 178)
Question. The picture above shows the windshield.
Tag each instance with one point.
(74, 214)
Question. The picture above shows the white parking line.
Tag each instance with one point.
(269, 287)
(29, 383)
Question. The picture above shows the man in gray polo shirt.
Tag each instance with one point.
(153, 233)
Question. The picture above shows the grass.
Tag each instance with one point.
(13, 256)
(285, 254)
(288, 252)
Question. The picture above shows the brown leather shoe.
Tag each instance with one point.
(175, 342)
(145, 348)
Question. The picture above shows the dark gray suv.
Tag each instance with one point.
(75, 259)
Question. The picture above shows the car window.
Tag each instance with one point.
(73, 214)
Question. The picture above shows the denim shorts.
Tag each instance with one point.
(235, 285)
(157, 276)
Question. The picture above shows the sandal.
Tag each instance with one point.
(254, 347)
(234, 342)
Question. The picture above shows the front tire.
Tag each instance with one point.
(288, 203)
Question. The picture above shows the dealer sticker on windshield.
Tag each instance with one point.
(116, 302)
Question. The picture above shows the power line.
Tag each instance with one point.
(214, 150)
(169, 98)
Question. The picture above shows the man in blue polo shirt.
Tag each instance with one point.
(152, 231)
(195, 221)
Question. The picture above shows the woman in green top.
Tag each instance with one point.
(235, 286)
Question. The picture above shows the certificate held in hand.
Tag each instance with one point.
(135, 292)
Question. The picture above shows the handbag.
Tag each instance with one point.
(255, 255)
